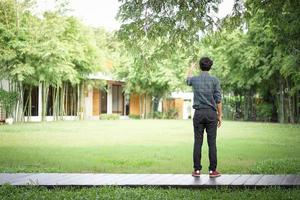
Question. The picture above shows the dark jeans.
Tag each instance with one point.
(205, 119)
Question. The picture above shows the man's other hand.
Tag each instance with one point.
(219, 121)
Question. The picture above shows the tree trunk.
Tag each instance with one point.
(45, 90)
(54, 94)
(140, 105)
(78, 101)
(145, 106)
(252, 104)
(281, 101)
(29, 103)
(81, 105)
(290, 108)
(156, 103)
(246, 106)
(62, 101)
(297, 104)
(26, 107)
(66, 100)
(74, 100)
(19, 113)
(57, 106)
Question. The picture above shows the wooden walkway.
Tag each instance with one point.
(161, 180)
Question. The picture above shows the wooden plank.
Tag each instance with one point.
(88, 179)
(150, 179)
(182, 180)
(38, 179)
(174, 179)
(53, 179)
(9, 178)
(277, 180)
(253, 179)
(288, 180)
(188, 180)
(222, 180)
(297, 181)
(227, 179)
(128, 178)
(113, 179)
(139, 180)
(16, 180)
(270, 180)
(241, 180)
(57, 179)
(125, 178)
(168, 179)
(134, 179)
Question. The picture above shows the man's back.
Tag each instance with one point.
(207, 91)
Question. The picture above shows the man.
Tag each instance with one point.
(208, 114)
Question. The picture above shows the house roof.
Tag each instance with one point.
(103, 76)
(182, 95)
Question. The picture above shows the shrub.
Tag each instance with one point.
(109, 116)
(264, 111)
(8, 101)
(156, 115)
(171, 114)
(134, 117)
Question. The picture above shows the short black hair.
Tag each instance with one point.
(205, 63)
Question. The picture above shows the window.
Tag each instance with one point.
(117, 99)
(103, 101)
(31, 101)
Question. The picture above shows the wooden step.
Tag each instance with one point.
(164, 180)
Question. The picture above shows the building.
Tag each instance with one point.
(182, 102)
(108, 100)
(85, 101)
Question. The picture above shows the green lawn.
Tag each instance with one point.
(30, 192)
(145, 146)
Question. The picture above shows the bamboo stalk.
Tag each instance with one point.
(53, 103)
(62, 101)
(140, 105)
(66, 100)
(26, 106)
(30, 103)
(281, 101)
(145, 104)
(290, 109)
(78, 101)
(57, 103)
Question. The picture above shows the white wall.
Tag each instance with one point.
(88, 105)
(4, 84)
(109, 98)
(188, 98)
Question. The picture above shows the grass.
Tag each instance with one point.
(146, 146)
(14, 193)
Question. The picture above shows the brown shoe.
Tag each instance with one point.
(196, 173)
(214, 174)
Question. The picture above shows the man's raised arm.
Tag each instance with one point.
(189, 74)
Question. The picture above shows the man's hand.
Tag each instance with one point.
(192, 67)
(219, 121)
(220, 114)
